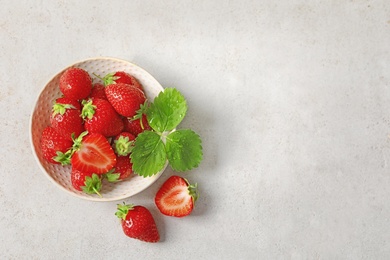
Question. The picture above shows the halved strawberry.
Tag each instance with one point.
(93, 154)
(176, 197)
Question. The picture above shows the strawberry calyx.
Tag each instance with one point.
(59, 108)
(77, 141)
(193, 190)
(140, 112)
(109, 79)
(123, 210)
(88, 109)
(93, 185)
(112, 176)
(123, 146)
(63, 158)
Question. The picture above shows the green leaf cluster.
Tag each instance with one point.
(152, 149)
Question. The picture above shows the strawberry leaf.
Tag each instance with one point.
(167, 110)
(148, 155)
(184, 150)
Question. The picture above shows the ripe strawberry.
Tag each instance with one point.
(137, 222)
(75, 83)
(89, 183)
(134, 126)
(123, 169)
(126, 99)
(121, 77)
(66, 117)
(55, 147)
(123, 143)
(98, 91)
(176, 197)
(93, 154)
(100, 117)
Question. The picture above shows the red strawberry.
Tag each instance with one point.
(75, 83)
(93, 154)
(137, 222)
(126, 99)
(123, 143)
(90, 183)
(176, 197)
(55, 147)
(121, 77)
(134, 125)
(123, 169)
(98, 91)
(66, 117)
(100, 117)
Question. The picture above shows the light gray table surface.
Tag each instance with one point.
(291, 99)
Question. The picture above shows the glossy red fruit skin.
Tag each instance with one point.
(139, 224)
(105, 121)
(124, 167)
(134, 126)
(51, 142)
(126, 99)
(98, 91)
(78, 178)
(126, 78)
(75, 83)
(70, 122)
(95, 155)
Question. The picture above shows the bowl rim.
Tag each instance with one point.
(35, 155)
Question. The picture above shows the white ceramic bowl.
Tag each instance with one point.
(40, 118)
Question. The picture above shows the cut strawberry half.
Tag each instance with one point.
(93, 154)
(176, 197)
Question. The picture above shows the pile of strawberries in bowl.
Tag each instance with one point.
(91, 108)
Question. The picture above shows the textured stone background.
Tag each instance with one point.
(291, 99)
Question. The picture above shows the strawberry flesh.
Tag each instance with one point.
(175, 197)
(94, 155)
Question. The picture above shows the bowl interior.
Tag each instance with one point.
(40, 118)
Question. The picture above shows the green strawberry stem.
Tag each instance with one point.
(61, 108)
(123, 210)
(193, 191)
(108, 79)
(93, 185)
(88, 109)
